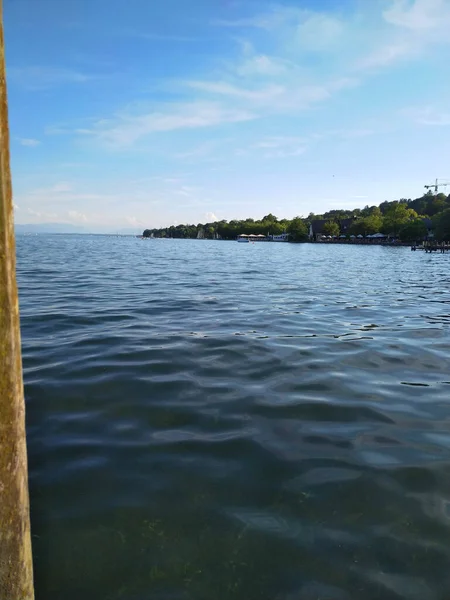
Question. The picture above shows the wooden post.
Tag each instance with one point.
(16, 565)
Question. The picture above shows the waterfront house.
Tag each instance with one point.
(283, 237)
(429, 225)
(316, 227)
(252, 237)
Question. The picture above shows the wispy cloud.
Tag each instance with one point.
(223, 88)
(406, 28)
(199, 151)
(56, 189)
(43, 77)
(134, 221)
(308, 29)
(387, 54)
(28, 142)
(263, 66)
(413, 26)
(269, 20)
(418, 15)
(257, 84)
(155, 36)
(40, 216)
(127, 128)
(280, 147)
(428, 115)
(77, 216)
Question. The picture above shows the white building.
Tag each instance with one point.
(283, 237)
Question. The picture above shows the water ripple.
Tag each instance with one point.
(211, 420)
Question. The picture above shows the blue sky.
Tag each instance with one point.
(147, 113)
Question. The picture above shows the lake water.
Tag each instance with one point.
(214, 421)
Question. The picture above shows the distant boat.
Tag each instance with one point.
(243, 239)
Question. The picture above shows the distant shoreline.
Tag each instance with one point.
(375, 242)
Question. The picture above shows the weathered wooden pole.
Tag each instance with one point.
(16, 565)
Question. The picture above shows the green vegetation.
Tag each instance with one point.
(441, 224)
(407, 219)
(413, 230)
(298, 230)
(331, 228)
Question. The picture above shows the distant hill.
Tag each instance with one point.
(49, 228)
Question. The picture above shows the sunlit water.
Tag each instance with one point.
(213, 420)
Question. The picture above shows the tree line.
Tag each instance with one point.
(406, 219)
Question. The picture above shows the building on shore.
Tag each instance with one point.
(316, 228)
(283, 237)
(243, 237)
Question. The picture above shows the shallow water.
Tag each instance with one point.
(213, 420)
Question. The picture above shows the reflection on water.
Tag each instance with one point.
(212, 420)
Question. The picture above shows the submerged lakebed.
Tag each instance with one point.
(250, 421)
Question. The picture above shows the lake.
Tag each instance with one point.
(215, 421)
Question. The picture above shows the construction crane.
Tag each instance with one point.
(437, 185)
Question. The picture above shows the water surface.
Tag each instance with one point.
(213, 420)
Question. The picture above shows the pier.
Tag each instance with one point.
(429, 246)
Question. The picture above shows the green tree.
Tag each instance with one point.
(413, 231)
(331, 228)
(270, 218)
(276, 228)
(367, 225)
(437, 205)
(396, 216)
(371, 211)
(442, 225)
(298, 230)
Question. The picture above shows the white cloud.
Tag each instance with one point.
(186, 190)
(16, 206)
(134, 222)
(406, 28)
(127, 129)
(55, 189)
(311, 30)
(226, 89)
(281, 147)
(41, 77)
(271, 20)
(145, 35)
(33, 212)
(388, 54)
(262, 65)
(29, 142)
(319, 32)
(428, 115)
(78, 217)
(418, 15)
(413, 26)
(200, 151)
(40, 216)
(211, 217)
(259, 84)
(290, 94)
(62, 187)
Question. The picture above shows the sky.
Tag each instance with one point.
(142, 113)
